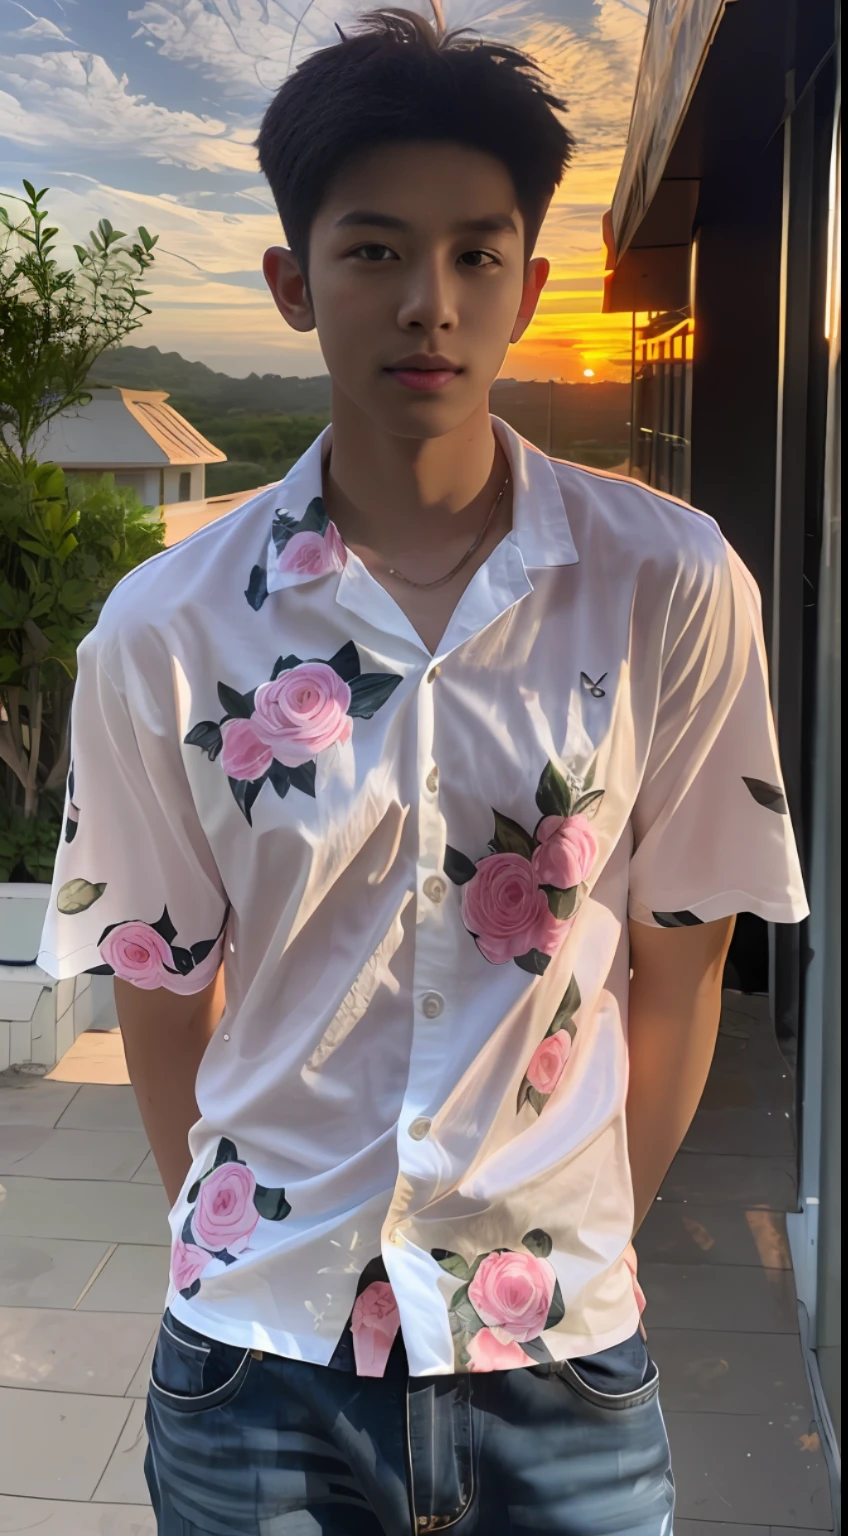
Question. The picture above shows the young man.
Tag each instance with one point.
(370, 778)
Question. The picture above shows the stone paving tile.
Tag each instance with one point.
(706, 1178)
(56, 1445)
(135, 1279)
(51, 1518)
(77, 1154)
(753, 1005)
(139, 1384)
(745, 1046)
(749, 1469)
(674, 1233)
(735, 1299)
(749, 1090)
(752, 1131)
(95, 1057)
(123, 1480)
(709, 1528)
(715, 1372)
(102, 1107)
(46, 1271)
(18, 1143)
(71, 1351)
(32, 1101)
(80, 1208)
(148, 1173)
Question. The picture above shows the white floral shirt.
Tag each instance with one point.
(417, 870)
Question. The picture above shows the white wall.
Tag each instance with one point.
(156, 487)
(145, 482)
(197, 482)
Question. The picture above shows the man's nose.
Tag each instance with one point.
(429, 301)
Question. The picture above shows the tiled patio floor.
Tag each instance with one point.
(83, 1265)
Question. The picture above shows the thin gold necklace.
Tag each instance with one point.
(441, 580)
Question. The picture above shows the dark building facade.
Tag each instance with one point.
(724, 244)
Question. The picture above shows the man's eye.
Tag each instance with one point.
(373, 252)
(478, 259)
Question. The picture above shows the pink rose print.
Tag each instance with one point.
(187, 1264)
(302, 712)
(506, 911)
(243, 755)
(137, 953)
(492, 1349)
(313, 554)
(513, 1291)
(547, 1063)
(566, 852)
(520, 900)
(225, 1215)
(374, 1323)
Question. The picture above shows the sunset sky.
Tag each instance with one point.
(146, 114)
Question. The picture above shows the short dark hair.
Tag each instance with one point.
(397, 78)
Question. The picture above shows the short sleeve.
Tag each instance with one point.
(136, 891)
(711, 829)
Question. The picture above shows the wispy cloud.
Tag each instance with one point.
(40, 28)
(75, 99)
(252, 45)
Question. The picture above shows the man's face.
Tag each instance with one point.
(417, 283)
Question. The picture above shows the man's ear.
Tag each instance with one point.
(288, 287)
(538, 272)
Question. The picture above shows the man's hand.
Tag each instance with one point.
(165, 1036)
(675, 1006)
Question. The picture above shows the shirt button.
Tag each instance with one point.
(432, 780)
(434, 889)
(433, 674)
(432, 1004)
(420, 1128)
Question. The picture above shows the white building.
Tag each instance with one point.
(134, 435)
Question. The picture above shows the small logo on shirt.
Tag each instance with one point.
(595, 689)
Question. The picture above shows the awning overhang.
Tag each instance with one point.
(648, 229)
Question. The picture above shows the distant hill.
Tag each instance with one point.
(195, 384)
(263, 423)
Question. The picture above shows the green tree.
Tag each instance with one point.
(56, 320)
(63, 543)
(63, 546)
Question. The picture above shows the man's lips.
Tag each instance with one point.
(427, 378)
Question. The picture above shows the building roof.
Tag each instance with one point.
(183, 518)
(130, 428)
(650, 215)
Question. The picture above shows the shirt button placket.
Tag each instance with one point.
(432, 1002)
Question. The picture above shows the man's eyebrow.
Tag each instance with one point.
(493, 223)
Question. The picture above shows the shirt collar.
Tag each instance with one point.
(304, 545)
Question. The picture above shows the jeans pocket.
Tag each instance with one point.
(191, 1373)
(622, 1377)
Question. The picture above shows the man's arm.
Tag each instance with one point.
(165, 1037)
(675, 1005)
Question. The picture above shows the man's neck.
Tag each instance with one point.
(391, 491)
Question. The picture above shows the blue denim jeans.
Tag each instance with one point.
(248, 1445)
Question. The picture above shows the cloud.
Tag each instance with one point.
(74, 99)
(250, 47)
(43, 30)
(194, 242)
